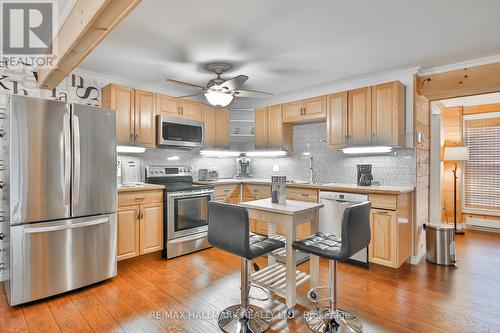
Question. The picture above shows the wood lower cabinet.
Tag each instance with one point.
(140, 223)
(128, 232)
(390, 223)
(228, 193)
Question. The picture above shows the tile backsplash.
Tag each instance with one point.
(396, 168)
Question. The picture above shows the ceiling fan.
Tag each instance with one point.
(218, 91)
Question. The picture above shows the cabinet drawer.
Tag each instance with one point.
(224, 190)
(384, 201)
(139, 197)
(256, 192)
(302, 194)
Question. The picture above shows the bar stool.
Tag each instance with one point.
(355, 236)
(228, 229)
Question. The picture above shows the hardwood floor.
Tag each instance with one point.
(185, 295)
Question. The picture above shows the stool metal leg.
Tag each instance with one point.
(332, 319)
(244, 317)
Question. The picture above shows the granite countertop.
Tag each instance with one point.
(138, 187)
(340, 187)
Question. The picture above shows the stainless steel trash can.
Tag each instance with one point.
(440, 243)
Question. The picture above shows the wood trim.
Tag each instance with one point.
(461, 82)
(485, 108)
(88, 23)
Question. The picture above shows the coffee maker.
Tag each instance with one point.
(243, 166)
(365, 176)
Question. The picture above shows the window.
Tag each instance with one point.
(482, 170)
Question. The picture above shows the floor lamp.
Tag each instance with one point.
(456, 154)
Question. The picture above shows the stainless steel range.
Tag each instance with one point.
(185, 211)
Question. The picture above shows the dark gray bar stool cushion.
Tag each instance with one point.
(228, 229)
(356, 235)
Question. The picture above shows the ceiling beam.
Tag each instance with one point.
(88, 23)
(467, 81)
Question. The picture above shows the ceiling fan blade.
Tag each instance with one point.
(192, 95)
(250, 93)
(186, 84)
(234, 83)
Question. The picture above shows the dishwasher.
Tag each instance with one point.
(330, 217)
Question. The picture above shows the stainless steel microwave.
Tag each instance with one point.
(177, 132)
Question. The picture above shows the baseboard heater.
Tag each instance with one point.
(482, 224)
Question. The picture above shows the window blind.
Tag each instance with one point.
(482, 170)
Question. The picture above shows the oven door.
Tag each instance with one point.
(179, 132)
(187, 213)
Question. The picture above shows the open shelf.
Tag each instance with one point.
(280, 254)
(273, 277)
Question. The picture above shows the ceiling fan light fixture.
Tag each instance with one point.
(217, 98)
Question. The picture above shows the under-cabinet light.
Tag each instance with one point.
(130, 149)
(219, 153)
(367, 150)
(266, 153)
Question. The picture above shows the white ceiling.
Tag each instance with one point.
(288, 45)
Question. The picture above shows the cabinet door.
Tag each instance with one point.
(292, 112)
(275, 127)
(336, 120)
(261, 128)
(145, 111)
(382, 247)
(389, 114)
(222, 127)
(359, 116)
(315, 109)
(128, 232)
(168, 106)
(191, 110)
(121, 99)
(210, 128)
(151, 228)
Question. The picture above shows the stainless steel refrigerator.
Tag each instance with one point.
(58, 196)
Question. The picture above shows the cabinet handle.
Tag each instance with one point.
(182, 110)
(305, 195)
(374, 137)
(136, 138)
(132, 138)
(1, 184)
(345, 138)
(142, 214)
(139, 199)
(1, 132)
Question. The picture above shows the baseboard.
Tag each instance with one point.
(480, 224)
(414, 260)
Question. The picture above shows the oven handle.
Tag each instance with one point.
(190, 194)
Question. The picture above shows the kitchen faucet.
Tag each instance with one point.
(308, 155)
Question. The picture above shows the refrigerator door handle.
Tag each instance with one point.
(76, 164)
(67, 159)
(37, 230)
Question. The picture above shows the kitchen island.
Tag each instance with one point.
(391, 218)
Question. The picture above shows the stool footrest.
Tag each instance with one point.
(273, 277)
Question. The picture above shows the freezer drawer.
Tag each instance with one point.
(54, 257)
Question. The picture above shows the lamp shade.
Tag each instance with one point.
(456, 154)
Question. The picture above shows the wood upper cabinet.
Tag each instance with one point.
(140, 223)
(270, 131)
(121, 99)
(145, 112)
(222, 116)
(216, 126)
(261, 127)
(151, 228)
(292, 111)
(135, 112)
(167, 106)
(128, 232)
(190, 110)
(389, 114)
(180, 108)
(336, 120)
(307, 110)
(359, 116)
